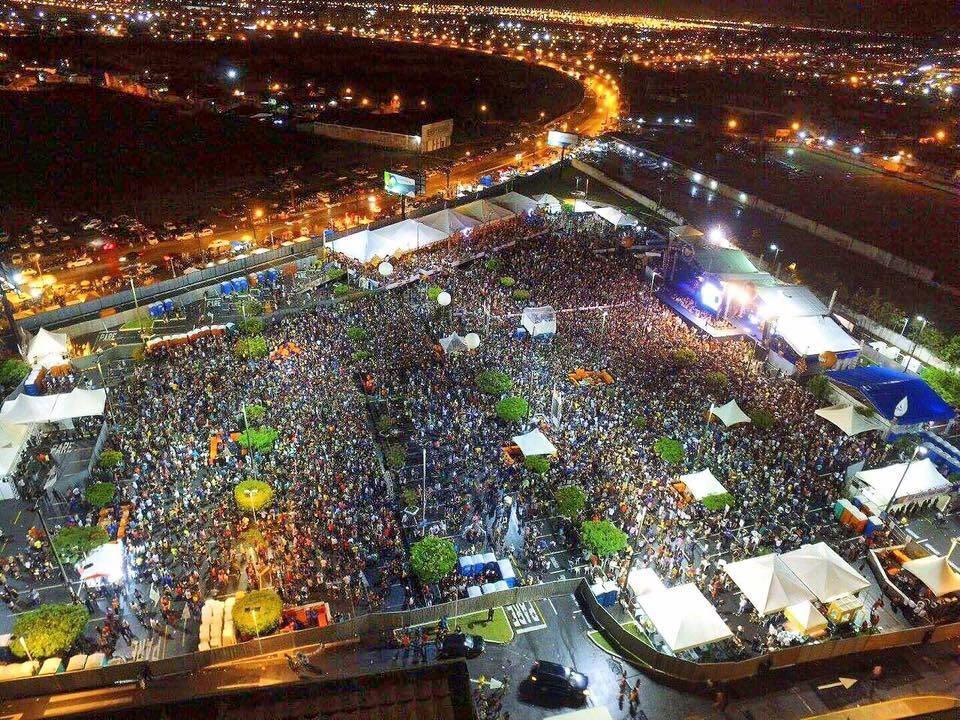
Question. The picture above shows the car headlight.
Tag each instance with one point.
(533, 678)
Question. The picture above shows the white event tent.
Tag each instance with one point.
(729, 414)
(404, 236)
(827, 575)
(539, 320)
(449, 221)
(453, 343)
(585, 206)
(534, 443)
(702, 484)
(814, 335)
(936, 573)
(684, 617)
(550, 202)
(805, 618)
(921, 481)
(617, 217)
(48, 349)
(484, 211)
(515, 202)
(848, 419)
(767, 582)
(29, 409)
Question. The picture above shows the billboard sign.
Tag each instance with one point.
(399, 184)
(558, 139)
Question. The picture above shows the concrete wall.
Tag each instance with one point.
(592, 172)
(393, 141)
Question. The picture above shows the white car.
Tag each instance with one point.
(189, 235)
(152, 239)
(206, 232)
(80, 262)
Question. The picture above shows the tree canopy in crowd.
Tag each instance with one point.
(257, 613)
(49, 631)
(494, 382)
(570, 501)
(73, 542)
(261, 439)
(512, 409)
(669, 450)
(252, 495)
(101, 494)
(433, 558)
(602, 537)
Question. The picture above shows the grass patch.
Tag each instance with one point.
(145, 324)
(497, 631)
(600, 640)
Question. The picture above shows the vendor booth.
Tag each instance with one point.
(824, 573)
(539, 321)
(767, 583)
(729, 414)
(641, 581)
(617, 217)
(936, 573)
(534, 443)
(485, 211)
(515, 203)
(699, 485)
(48, 349)
(30, 410)
(908, 485)
(804, 618)
(683, 617)
(401, 237)
(449, 221)
(549, 203)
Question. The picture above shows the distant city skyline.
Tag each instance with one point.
(906, 16)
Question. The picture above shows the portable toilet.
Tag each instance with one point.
(226, 287)
(168, 306)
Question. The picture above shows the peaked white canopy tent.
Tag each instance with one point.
(515, 202)
(550, 202)
(449, 221)
(453, 343)
(848, 419)
(936, 573)
(28, 409)
(702, 484)
(729, 414)
(768, 583)
(485, 211)
(48, 349)
(684, 617)
(922, 481)
(585, 206)
(539, 320)
(805, 618)
(617, 217)
(534, 443)
(824, 573)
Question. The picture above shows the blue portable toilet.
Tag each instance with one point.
(486, 180)
(240, 284)
(168, 305)
(226, 287)
(329, 233)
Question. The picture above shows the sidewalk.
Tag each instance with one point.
(921, 705)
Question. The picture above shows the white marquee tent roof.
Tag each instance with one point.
(27, 409)
(848, 419)
(484, 211)
(729, 414)
(786, 301)
(453, 343)
(551, 202)
(617, 217)
(449, 221)
(48, 349)
(534, 443)
(684, 617)
(515, 202)
(813, 335)
(585, 206)
(12, 439)
(644, 580)
(768, 583)
(702, 484)
(806, 617)
(404, 236)
(827, 575)
(922, 478)
(936, 573)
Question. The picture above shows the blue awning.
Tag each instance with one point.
(887, 389)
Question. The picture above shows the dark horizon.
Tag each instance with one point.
(910, 17)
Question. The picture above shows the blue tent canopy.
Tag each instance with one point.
(885, 389)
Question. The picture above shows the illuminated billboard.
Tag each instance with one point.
(558, 139)
(399, 184)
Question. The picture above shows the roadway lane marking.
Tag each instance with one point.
(552, 606)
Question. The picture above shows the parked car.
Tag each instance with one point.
(554, 683)
(80, 262)
(461, 645)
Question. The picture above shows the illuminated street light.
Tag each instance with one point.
(732, 124)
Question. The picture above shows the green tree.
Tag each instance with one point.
(395, 456)
(249, 307)
(49, 631)
(257, 613)
(252, 495)
(684, 357)
(602, 537)
(255, 412)
(101, 494)
(537, 464)
(335, 274)
(570, 501)
(951, 351)
(493, 264)
(762, 418)
(669, 450)
(944, 382)
(507, 281)
(433, 558)
(512, 409)
(357, 334)
(819, 387)
(251, 348)
(110, 459)
(713, 503)
(717, 379)
(261, 439)
(12, 371)
(494, 382)
(251, 326)
(521, 295)
(358, 356)
(433, 292)
(74, 543)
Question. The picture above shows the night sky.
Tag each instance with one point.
(907, 16)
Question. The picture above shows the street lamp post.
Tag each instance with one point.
(920, 452)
